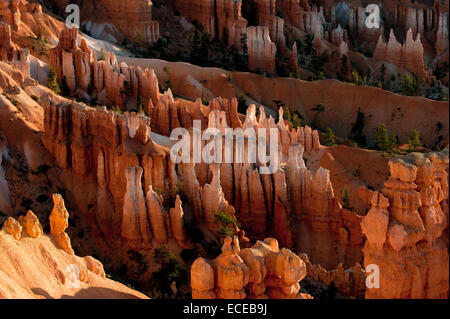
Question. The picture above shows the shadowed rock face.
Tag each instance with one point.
(116, 21)
(342, 13)
(133, 19)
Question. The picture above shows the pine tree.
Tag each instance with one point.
(354, 77)
(53, 81)
(343, 69)
(102, 55)
(411, 86)
(356, 133)
(382, 137)
(319, 108)
(242, 103)
(383, 70)
(296, 120)
(116, 109)
(287, 114)
(195, 49)
(65, 87)
(296, 74)
(329, 137)
(140, 105)
(225, 35)
(244, 43)
(168, 82)
(346, 197)
(204, 48)
(393, 142)
(242, 58)
(414, 141)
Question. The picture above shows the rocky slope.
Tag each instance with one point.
(34, 265)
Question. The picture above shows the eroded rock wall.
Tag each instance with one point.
(407, 56)
(404, 229)
(262, 271)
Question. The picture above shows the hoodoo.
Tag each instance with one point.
(226, 149)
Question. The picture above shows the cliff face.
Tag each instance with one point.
(28, 22)
(262, 271)
(225, 16)
(420, 17)
(365, 37)
(133, 19)
(10, 13)
(442, 34)
(428, 22)
(303, 209)
(200, 11)
(116, 21)
(230, 21)
(261, 50)
(11, 53)
(265, 11)
(305, 18)
(404, 229)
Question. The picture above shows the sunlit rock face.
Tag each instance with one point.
(47, 263)
(404, 230)
(262, 271)
(85, 76)
(408, 56)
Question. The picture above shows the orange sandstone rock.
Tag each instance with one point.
(442, 34)
(201, 11)
(135, 224)
(408, 56)
(31, 225)
(59, 221)
(202, 279)
(111, 83)
(263, 271)
(261, 50)
(177, 225)
(12, 227)
(157, 215)
(413, 245)
(229, 19)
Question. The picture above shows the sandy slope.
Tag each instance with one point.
(35, 268)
